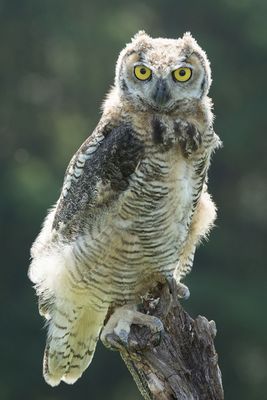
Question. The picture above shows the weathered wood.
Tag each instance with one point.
(183, 363)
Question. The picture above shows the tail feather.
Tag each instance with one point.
(70, 345)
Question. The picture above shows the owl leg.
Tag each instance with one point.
(116, 331)
(185, 263)
(201, 224)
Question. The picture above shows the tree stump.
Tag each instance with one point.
(182, 364)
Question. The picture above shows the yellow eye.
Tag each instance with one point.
(143, 73)
(182, 74)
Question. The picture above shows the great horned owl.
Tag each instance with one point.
(134, 202)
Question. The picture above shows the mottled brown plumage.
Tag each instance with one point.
(134, 203)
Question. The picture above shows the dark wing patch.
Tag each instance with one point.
(105, 160)
(158, 130)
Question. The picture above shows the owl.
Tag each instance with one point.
(133, 206)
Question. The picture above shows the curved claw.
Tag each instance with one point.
(178, 289)
(183, 291)
(112, 342)
(123, 336)
(156, 325)
(157, 337)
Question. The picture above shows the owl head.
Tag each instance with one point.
(160, 74)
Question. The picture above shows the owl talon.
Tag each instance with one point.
(178, 289)
(116, 332)
(183, 291)
(123, 335)
(113, 342)
(156, 326)
(157, 337)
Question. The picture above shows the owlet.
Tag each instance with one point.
(133, 206)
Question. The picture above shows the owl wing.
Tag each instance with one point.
(97, 174)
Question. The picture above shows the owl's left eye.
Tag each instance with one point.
(142, 72)
(182, 74)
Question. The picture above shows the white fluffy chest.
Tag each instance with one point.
(154, 214)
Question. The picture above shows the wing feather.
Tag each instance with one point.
(97, 174)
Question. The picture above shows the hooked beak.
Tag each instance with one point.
(161, 95)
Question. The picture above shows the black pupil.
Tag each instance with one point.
(182, 72)
(143, 71)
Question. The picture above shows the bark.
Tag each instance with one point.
(182, 364)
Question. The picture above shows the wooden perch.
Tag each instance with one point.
(183, 363)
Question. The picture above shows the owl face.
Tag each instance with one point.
(159, 74)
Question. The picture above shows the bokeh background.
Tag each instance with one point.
(57, 61)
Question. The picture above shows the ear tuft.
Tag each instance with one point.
(190, 45)
(188, 39)
(140, 35)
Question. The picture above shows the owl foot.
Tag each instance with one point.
(115, 334)
(114, 342)
(178, 289)
(188, 136)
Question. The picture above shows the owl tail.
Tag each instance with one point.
(71, 343)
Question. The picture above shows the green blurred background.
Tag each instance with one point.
(57, 62)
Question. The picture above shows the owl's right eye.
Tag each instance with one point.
(142, 72)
